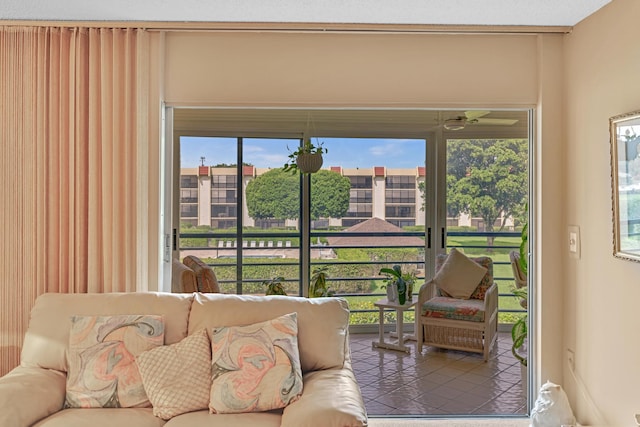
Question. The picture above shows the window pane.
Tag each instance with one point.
(366, 214)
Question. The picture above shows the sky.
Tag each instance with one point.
(273, 153)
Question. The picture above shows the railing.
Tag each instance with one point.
(255, 255)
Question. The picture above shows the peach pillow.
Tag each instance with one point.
(177, 377)
(256, 367)
(459, 276)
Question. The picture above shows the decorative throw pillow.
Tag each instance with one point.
(459, 276)
(177, 377)
(102, 351)
(256, 367)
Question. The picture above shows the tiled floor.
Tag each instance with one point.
(437, 382)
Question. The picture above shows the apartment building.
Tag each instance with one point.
(209, 195)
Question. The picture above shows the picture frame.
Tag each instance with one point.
(624, 130)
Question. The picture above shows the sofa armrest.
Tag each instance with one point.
(330, 398)
(30, 394)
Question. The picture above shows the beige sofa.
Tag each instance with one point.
(33, 394)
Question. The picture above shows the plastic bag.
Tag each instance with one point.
(552, 407)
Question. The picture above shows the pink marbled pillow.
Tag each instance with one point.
(102, 359)
(256, 367)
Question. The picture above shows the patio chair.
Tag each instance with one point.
(183, 279)
(458, 308)
(518, 275)
(206, 278)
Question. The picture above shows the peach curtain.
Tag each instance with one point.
(71, 121)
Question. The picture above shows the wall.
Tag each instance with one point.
(602, 65)
(400, 71)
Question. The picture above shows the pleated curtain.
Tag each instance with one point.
(72, 115)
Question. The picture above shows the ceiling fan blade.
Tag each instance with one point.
(495, 122)
(473, 114)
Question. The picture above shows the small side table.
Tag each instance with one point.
(400, 309)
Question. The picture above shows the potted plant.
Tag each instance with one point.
(274, 286)
(519, 331)
(318, 284)
(306, 159)
(398, 283)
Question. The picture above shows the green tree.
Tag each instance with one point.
(487, 178)
(329, 194)
(274, 194)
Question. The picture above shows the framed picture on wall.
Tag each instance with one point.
(624, 131)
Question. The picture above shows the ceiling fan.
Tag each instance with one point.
(475, 118)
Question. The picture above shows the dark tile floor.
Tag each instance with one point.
(437, 382)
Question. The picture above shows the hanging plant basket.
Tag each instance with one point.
(309, 162)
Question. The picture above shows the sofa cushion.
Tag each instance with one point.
(322, 322)
(47, 337)
(459, 276)
(207, 281)
(102, 360)
(177, 377)
(205, 419)
(255, 368)
(102, 417)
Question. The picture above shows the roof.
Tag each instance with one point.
(374, 225)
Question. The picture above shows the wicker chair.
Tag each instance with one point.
(518, 275)
(459, 324)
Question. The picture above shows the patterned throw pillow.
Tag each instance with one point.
(256, 367)
(102, 351)
(177, 377)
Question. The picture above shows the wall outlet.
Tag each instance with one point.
(571, 359)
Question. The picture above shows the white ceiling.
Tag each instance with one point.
(424, 12)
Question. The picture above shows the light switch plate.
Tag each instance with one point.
(574, 241)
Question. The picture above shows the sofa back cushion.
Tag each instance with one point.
(47, 338)
(322, 322)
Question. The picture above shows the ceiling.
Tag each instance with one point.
(355, 123)
(424, 12)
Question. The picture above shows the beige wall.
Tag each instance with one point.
(400, 70)
(272, 69)
(602, 292)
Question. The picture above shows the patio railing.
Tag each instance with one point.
(352, 268)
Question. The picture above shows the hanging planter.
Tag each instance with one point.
(309, 162)
(306, 159)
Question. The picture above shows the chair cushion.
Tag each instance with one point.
(471, 310)
(459, 276)
(486, 281)
(207, 281)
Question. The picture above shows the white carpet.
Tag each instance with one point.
(466, 422)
